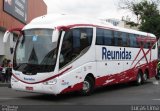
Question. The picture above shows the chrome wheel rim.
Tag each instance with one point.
(139, 79)
(145, 77)
(86, 86)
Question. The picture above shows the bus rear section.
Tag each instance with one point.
(124, 56)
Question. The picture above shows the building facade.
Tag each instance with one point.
(122, 23)
(115, 22)
(15, 14)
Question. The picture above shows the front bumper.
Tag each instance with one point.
(37, 88)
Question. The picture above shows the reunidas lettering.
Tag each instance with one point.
(29, 79)
(122, 54)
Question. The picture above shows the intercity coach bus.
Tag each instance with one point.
(55, 54)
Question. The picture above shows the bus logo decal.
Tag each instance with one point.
(122, 54)
(29, 79)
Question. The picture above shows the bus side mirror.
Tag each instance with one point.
(6, 35)
(9, 34)
(5, 39)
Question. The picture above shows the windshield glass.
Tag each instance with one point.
(35, 52)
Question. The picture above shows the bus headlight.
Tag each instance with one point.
(50, 82)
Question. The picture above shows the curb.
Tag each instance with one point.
(4, 84)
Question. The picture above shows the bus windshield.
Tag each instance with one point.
(35, 52)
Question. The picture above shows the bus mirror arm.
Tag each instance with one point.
(9, 33)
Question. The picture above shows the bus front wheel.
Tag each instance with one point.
(88, 86)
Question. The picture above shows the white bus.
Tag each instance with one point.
(63, 53)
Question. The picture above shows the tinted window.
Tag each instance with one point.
(125, 39)
(117, 39)
(75, 43)
(133, 40)
(99, 37)
(104, 37)
(108, 37)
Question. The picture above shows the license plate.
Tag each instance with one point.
(29, 88)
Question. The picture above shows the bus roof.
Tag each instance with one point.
(56, 20)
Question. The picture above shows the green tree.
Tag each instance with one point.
(148, 15)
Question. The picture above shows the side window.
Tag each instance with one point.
(99, 36)
(146, 45)
(149, 45)
(128, 40)
(117, 39)
(75, 43)
(125, 39)
(104, 37)
(141, 43)
(108, 37)
(133, 40)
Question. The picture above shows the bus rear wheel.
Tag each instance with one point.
(139, 79)
(88, 86)
(145, 77)
(157, 77)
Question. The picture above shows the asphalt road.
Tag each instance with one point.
(124, 94)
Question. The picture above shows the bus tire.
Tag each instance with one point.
(88, 86)
(144, 77)
(139, 79)
(157, 77)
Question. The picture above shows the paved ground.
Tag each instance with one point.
(4, 84)
(124, 94)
